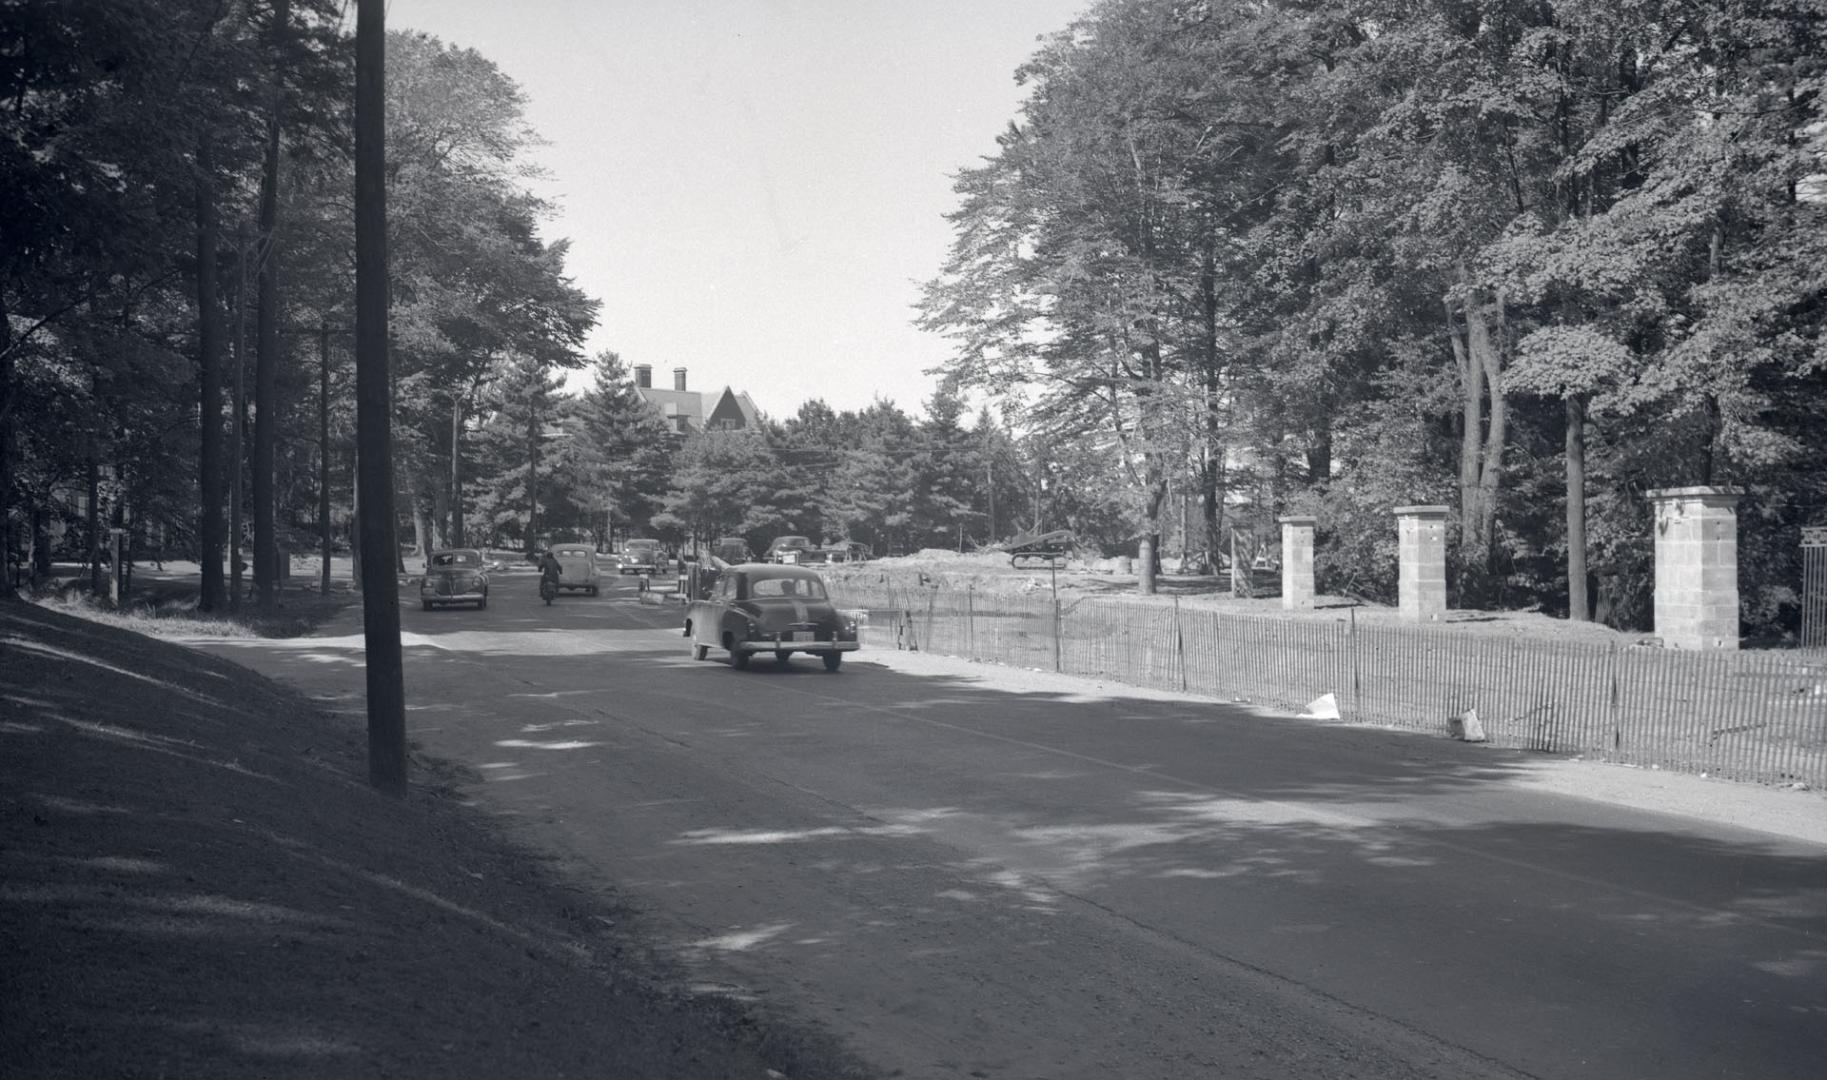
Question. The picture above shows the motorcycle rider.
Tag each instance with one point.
(549, 570)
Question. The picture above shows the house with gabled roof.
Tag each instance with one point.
(689, 411)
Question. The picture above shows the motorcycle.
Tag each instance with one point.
(547, 589)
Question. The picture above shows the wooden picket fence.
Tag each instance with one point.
(1755, 716)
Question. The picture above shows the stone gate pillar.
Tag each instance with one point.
(1421, 553)
(1297, 563)
(1697, 567)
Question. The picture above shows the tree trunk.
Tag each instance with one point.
(94, 524)
(1471, 422)
(456, 472)
(209, 365)
(1211, 423)
(237, 443)
(421, 529)
(1578, 607)
(41, 544)
(1319, 450)
(323, 458)
(533, 481)
(6, 448)
(266, 333)
(1490, 347)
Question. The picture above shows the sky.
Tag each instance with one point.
(754, 189)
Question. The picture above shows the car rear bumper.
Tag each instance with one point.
(453, 598)
(798, 646)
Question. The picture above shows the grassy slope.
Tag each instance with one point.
(196, 881)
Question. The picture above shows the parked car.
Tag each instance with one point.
(844, 551)
(454, 576)
(766, 607)
(786, 549)
(732, 549)
(641, 557)
(576, 567)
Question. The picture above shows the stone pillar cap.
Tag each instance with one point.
(1701, 491)
(1297, 519)
(1421, 511)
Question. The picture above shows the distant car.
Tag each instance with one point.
(786, 549)
(576, 567)
(766, 607)
(732, 549)
(454, 576)
(843, 551)
(641, 557)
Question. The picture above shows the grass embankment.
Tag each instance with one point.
(197, 881)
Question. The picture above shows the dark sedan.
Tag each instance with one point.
(455, 576)
(762, 607)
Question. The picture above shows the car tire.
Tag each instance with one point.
(781, 655)
(833, 661)
(482, 604)
(699, 652)
(738, 659)
(593, 590)
(427, 604)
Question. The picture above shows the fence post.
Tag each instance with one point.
(1357, 690)
(1056, 666)
(1179, 644)
(970, 617)
(1611, 679)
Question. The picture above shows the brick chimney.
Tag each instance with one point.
(643, 376)
(678, 378)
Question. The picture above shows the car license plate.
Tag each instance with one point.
(802, 635)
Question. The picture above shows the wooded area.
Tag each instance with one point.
(1232, 260)
(1525, 258)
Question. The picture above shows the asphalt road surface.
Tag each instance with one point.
(971, 873)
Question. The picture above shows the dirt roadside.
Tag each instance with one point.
(196, 881)
(1797, 813)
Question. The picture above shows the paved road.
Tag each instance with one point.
(966, 874)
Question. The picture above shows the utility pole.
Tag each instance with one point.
(323, 453)
(374, 410)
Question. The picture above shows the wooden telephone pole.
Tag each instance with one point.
(374, 410)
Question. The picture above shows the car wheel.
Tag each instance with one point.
(427, 604)
(482, 604)
(593, 590)
(833, 661)
(780, 657)
(699, 652)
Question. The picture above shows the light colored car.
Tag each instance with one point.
(766, 607)
(641, 557)
(577, 567)
(454, 576)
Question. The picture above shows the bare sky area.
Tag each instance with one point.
(754, 188)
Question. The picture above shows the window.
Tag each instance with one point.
(787, 588)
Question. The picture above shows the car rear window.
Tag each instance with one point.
(802, 588)
(573, 553)
(457, 559)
